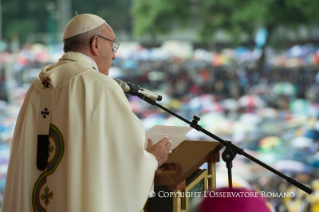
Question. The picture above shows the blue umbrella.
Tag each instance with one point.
(312, 133)
(2, 183)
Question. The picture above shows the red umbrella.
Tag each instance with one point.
(251, 101)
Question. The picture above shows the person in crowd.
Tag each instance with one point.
(77, 146)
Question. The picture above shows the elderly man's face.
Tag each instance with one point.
(106, 55)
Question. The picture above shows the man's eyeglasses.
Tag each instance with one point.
(115, 44)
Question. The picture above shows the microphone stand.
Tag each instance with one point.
(230, 151)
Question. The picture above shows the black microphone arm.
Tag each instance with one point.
(230, 151)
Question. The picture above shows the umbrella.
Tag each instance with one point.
(198, 102)
(250, 118)
(284, 88)
(268, 157)
(313, 160)
(115, 72)
(205, 103)
(3, 105)
(230, 104)
(173, 104)
(212, 107)
(312, 134)
(216, 123)
(174, 121)
(269, 142)
(302, 106)
(137, 107)
(202, 54)
(196, 135)
(268, 112)
(291, 166)
(129, 64)
(209, 119)
(301, 142)
(3, 46)
(302, 51)
(156, 75)
(154, 119)
(136, 104)
(259, 89)
(158, 54)
(4, 158)
(179, 49)
(251, 101)
(2, 182)
(240, 50)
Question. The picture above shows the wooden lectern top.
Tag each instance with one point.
(185, 160)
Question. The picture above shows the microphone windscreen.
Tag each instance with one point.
(123, 85)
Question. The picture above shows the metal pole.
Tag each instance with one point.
(9, 82)
(0, 20)
(64, 11)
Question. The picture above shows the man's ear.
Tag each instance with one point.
(95, 46)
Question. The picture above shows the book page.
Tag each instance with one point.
(175, 134)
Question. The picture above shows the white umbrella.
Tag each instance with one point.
(250, 118)
(315, 156)
(202, 54)
(174, 121)
(268, 112)
(205, 103)
(230, 104)
(3, 105)
(152, 120)
(301, 142)
(209, 119)
(259, 89)
(156, 75)
(290, 166)
(115, 72)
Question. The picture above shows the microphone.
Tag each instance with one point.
(135, 90)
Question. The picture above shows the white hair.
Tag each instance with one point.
(81, 41)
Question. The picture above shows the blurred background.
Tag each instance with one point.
(248, 69)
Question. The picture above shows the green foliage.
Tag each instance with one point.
(22, 17)
(246, 16)
(116, 13)
(160, 16)
(309, 9)
(231, 15)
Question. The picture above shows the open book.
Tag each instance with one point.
(175, 134)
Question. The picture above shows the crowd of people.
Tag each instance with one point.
(232, 99)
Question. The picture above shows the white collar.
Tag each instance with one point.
(94, 63)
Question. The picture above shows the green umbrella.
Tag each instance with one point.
(301, 106)
(284, 88)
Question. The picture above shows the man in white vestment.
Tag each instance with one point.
(77, 146)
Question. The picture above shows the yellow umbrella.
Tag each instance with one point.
(174, 104)
(269, 142)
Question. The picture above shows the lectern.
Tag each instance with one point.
(175, 179)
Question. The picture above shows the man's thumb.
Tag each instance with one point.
(149, 143)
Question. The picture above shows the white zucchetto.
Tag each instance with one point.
(81, 24)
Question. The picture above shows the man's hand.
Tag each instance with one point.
(160, 150)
